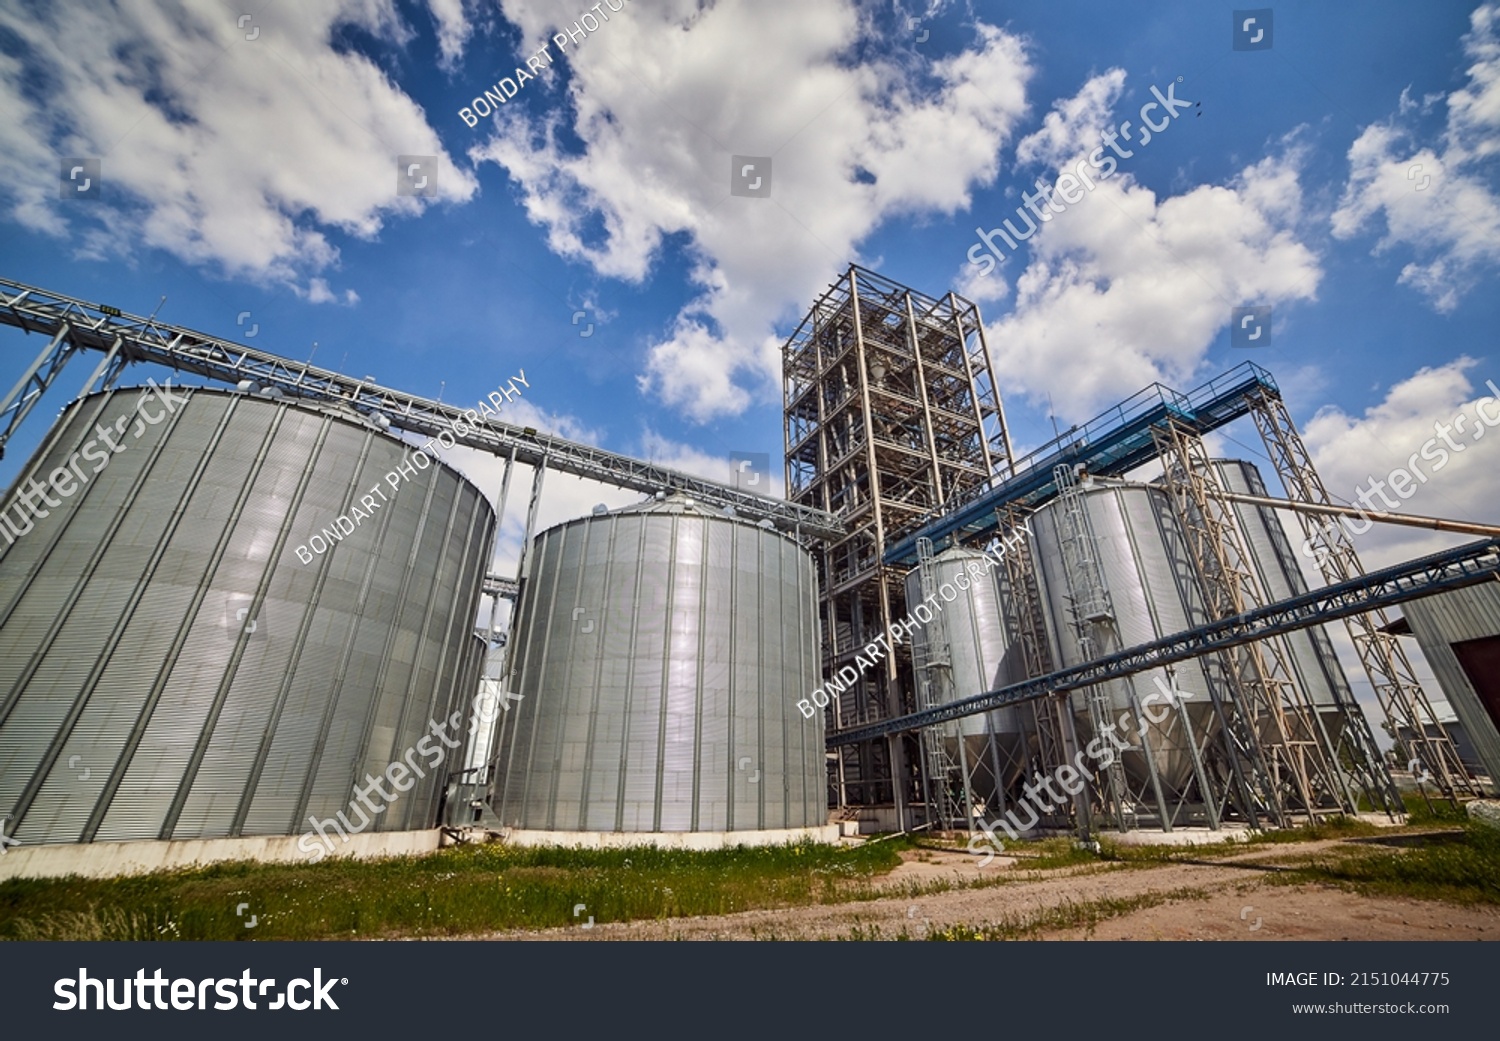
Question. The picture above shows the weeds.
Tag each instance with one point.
(1069, 914)
(454, 891)
(1461, 867)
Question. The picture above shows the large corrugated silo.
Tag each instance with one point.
(1153, 592)
(1313, 661)
(971, 630)
(659, 652)
(171, 668)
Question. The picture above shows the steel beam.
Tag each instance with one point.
(1456, 568)
(80, 325)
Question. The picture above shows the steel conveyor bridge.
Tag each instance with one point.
(1111, 444)
(74, 326)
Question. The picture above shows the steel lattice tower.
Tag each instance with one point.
(892, 412)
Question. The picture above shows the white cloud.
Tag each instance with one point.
(453, 30)
(1438, 203)
(979, 288)
(660, 101)
(1350, 451)
(1074, 126)
(1124, 288)
(317, 292)
(691, 460)
(222, 150)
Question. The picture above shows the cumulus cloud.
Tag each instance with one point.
(692, 460)
(1126, 287)
(1351, 450)
(222, 149)
(453, 30)
(659, 103)
(1074, 125)
(1436, 202)
(565, 497)
(980, 288)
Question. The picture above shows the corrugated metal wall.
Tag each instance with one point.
(169, 668)
(1154, 591)
(1440, 621)
(660, 651)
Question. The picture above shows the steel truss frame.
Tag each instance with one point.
(1402, 699)
(1277, 747)
(1455, 568)
(76, 325)
(891, 410)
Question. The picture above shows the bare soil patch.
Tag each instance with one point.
(1211, 893)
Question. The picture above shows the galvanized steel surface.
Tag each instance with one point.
(979, 659)
(1154, 592)
(660, 652)
(169, 669)
(973, 627)
(1313, 662)
(1459, 616)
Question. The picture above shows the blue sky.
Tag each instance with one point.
(259, 174)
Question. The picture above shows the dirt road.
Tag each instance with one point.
(1221, 893)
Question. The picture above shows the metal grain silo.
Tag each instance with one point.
(971, 629)
(1153, 592)
(171, 668)
(1314, 664)
(659, 652)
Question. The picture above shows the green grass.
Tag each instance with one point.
(455, 891)
(1070, 914)
(1461, 867)
(1440, 812)
(1327, 828)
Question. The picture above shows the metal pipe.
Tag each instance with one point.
(1411, 520)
